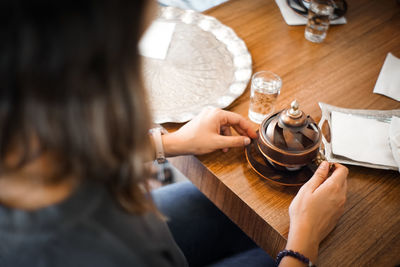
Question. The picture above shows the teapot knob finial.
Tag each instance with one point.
(294, 111)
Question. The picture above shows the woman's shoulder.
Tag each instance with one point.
(89, 229)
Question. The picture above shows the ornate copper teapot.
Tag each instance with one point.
(289, 139)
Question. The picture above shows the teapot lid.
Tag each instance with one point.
(292, 130)
(293, 117)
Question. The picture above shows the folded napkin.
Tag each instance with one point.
(388, 82)
(155, 41)
(292, 18)
(364, 139)
(394, 135)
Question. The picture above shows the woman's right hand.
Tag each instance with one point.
(209, 131)
(315, 211)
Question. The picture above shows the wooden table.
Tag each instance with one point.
(342, 71)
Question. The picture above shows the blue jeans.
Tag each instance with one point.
(205, 235)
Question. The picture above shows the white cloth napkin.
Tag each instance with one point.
(292, 18)
(362, 139)
(394, 135)
(155, 41)
(388, 82)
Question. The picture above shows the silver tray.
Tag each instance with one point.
(206, 65)
(381, 115)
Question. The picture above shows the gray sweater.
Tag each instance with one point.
(87, 229)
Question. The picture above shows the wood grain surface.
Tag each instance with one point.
(342, 71)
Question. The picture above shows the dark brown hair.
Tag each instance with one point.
(70, 79)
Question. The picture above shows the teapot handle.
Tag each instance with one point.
(327, 149)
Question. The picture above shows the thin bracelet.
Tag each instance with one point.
(296, 255)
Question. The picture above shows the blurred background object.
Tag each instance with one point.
(198, 5)
(165, 174)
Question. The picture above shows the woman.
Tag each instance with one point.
(74, 140)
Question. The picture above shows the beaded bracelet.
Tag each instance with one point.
(297, 255)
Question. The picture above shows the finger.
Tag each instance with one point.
(336, 183)
(339, 175)
(232, 141)
(236, 120)
(239, 130)
(319, 176)
(226, 130)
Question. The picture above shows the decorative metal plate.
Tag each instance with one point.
(381, 115)
(206, 65)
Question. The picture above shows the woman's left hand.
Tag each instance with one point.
(207, 132)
